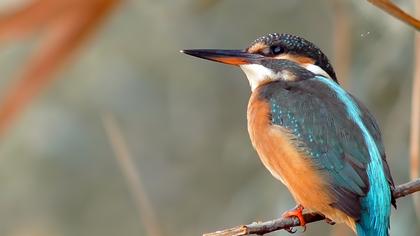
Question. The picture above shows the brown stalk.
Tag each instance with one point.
(342, 40)
(67, 24)
(415, 116)
(132, 175)
(395, 11)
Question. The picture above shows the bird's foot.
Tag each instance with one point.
(295, 212)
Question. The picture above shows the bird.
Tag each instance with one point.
(315, 137)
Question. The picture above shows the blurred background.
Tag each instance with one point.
(182, 119)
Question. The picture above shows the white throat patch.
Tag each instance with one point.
(258, 74)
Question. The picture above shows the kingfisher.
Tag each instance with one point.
(319, 140)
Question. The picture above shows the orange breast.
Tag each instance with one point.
(281, 157)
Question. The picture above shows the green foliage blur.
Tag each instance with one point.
(184, 119)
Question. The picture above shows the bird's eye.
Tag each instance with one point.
(273, 50)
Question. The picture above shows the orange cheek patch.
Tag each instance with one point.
(256, 47)
(296, 58)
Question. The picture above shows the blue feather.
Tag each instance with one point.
(376, 205)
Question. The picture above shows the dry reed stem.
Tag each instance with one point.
(342, 40)
(415, 115)
(132, 176)
(66, 25)
(395, 11)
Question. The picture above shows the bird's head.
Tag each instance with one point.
(273, 57)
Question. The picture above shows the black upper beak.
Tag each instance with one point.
(231, 57)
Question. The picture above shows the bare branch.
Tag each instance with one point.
(260, 228)
(395, 11)
(407, 189)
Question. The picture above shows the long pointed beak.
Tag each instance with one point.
(231, 57)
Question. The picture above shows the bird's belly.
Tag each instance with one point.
(280, 155)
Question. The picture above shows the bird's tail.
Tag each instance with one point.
(375, 209)
(362, 231)
(368, 226)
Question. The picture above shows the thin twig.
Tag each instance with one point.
(415, 116)
(395, 11)
(132, 176)
(260, 228)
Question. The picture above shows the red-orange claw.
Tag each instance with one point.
(297, 212)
